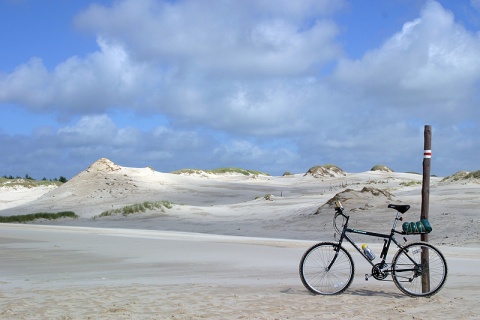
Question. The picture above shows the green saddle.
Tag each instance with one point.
(422, 226)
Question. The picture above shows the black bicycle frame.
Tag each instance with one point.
(388, 238)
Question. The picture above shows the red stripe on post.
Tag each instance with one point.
(427, 153)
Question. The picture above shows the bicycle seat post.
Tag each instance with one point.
(397, 217)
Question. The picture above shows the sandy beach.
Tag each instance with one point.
(89, 273)
(223, 250)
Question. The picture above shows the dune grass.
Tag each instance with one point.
(40, 215)
(27, 183)
(325, 170)
(136, 208)
(463, 175)
(381, 167)
(221, 171)
(410, 183)
(473, 175)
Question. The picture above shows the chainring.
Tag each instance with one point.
(377, 272)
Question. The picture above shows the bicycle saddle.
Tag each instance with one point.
(402, 208)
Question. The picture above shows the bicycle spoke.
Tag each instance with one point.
(408, 270)
(418, 269)
(316, 274)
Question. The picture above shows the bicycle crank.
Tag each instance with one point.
(380, 271)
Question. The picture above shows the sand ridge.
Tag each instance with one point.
(228, 248)
(295, 206)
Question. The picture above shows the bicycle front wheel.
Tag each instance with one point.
(419, 270)
(326, 268)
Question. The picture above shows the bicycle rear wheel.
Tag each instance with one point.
(318, 276)
(408, 269)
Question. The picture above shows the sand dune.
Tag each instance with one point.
(229, 247)
(293, 207)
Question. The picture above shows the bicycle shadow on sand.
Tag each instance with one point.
(375, 293)
(356, 292)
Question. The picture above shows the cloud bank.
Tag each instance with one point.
(265, 85)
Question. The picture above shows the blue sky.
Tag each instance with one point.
(267, 85)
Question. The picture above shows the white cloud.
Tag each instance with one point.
(254, 73)
(432, 62)
(104, 79)
(189, 61)
(98, 130)
(72, 148)
(251, 37)
(28, 84)
(266, 157)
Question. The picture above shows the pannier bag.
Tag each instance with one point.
(422, 226)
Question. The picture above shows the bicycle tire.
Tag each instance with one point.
(313, 269)
(407, 275)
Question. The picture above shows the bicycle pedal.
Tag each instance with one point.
(366, 277)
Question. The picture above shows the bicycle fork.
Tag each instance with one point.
(334, 258)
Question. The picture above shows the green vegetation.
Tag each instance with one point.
(330, 166)
(410, 183)
(473, 175)
(463, 175)
(268, 197)
(188, 171)
(381, 167)
(29, 182)
(26, 183)
(376, 191)
(221, 171)
(314, 169)
(325, 170)
(460, 175)
(35, 216)
(325, 166)
(62, 179)
(136, 208)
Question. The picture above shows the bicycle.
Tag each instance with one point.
(418, 269)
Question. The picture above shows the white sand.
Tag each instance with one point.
(89, 273)
(113, 268)
(11, 197)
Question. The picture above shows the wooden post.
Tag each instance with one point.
(427, 155)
